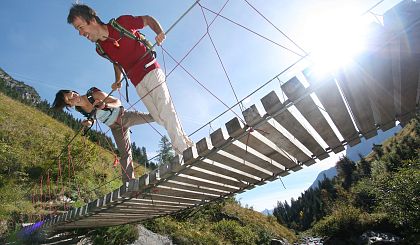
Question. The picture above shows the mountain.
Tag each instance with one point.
(17, 89)
(328, 173)
(354, 153)
(267, 212)
(365, 146)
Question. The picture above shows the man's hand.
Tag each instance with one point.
(87, 123)
(116, 85)
(160, 38)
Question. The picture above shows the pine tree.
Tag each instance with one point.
(165, 152)
(345, 169)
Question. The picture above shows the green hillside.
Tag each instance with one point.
(30, 143)
(223, 222)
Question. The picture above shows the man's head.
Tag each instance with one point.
(84, 12)
(65, 98)
(86, 22)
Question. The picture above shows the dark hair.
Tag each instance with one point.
(83, 11)
(59, 102)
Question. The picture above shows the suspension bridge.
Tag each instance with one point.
(381, 86)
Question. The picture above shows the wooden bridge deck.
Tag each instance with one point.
(379, 88)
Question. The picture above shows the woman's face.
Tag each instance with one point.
(72, 98)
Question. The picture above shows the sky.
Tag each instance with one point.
(242, 50)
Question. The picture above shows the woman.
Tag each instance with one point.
(96, 104)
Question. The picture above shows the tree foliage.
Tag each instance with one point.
(381, 191)
(165, 151)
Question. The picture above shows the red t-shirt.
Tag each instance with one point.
(129, 52)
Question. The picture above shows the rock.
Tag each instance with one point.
(371, 237)
(279, 242)
(147, 237)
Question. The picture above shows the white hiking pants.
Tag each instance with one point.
(155, 96)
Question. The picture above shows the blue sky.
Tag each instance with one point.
(39, 48)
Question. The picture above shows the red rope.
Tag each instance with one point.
(49, 189)
(41, 194)
(68, 166)
(74, 174)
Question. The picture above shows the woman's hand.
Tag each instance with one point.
(87, 123)
(100, 104)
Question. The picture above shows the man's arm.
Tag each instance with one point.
(155, 26)
(118, 78)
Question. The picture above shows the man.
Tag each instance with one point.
(107, 109)
(139, 64)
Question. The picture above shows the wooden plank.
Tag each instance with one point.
(196, 172)
(191, 155)
(297, 93)
(119, 215)
(146, 201)
(353, 82)
(143, 210)
(406, 78)
(94, 205)
(98, 223)
(182, 193)
(204, 147)
(189, 187)
(377, 64)
(149, 202)
(206, 183)
(171, 168)
(158, 197)
(137, 207)
(251, 137)
(247, 159)
(143, 205)
(272, 106)
(93, 220)
(272, 133)
(331, 99)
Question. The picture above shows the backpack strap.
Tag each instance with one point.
(137, 36)
(89, 95)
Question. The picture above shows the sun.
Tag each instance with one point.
(335, 35)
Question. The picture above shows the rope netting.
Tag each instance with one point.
(55, 191)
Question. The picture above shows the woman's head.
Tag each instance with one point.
(65, 98)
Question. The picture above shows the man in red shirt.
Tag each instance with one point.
(140, 66)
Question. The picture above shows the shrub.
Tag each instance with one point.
(233, 232)
(117, 235)
(345, 221)
(364, 195)
(399, 197)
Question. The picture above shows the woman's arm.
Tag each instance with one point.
(102, 100)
